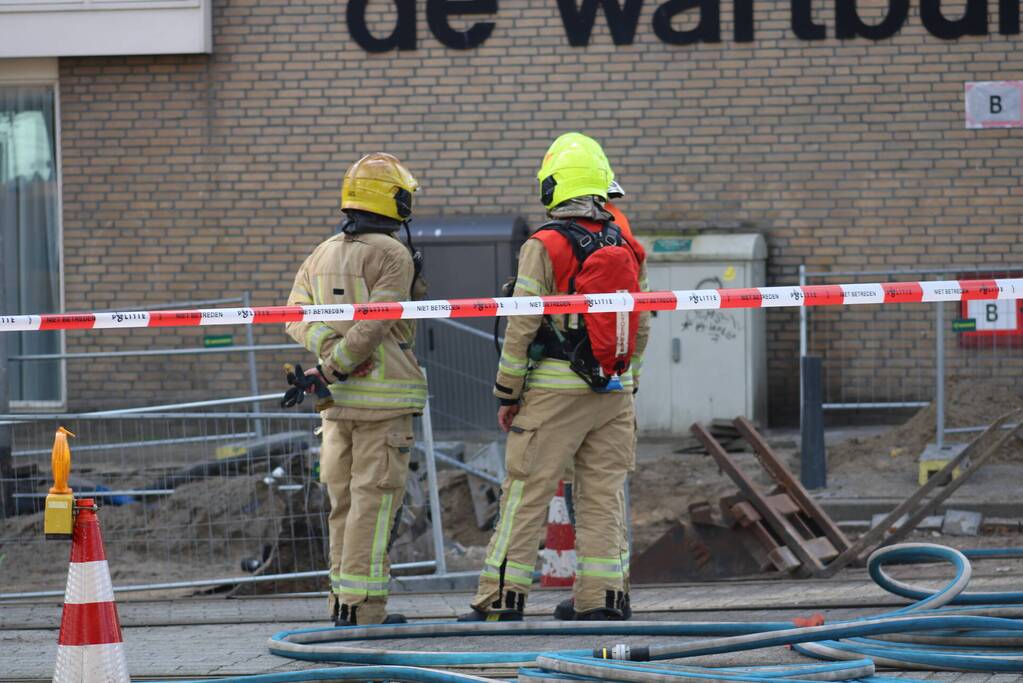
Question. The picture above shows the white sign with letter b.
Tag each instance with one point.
(994, 104)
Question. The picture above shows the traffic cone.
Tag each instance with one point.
(90, 648)
(559, 548)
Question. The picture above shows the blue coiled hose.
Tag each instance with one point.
(969, 648)
(982, 634)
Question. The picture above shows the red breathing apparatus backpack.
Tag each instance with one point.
(601, 347)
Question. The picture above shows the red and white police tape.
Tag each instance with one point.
(678, 300)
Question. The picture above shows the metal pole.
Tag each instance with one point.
(6, 459)
(179, 406)
(803, 322)
(154, 352)
(939, 365)
(915, 271)
(142, 493)
(968, 430)
(22, 418)
(467, 468)
(813, 462)
(462, 327)
(876, 405)
(426, 564)
(431, 481)
(195, 303)
(253, 377)
(143, 444)
(802, 314)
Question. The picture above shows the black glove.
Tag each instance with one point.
(296, 378)
(300, 382)
(292, 397)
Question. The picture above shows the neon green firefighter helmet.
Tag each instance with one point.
(574, 166)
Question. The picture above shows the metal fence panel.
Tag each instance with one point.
(887, 356)
(182, 497)
(199, 491)
(461, 362)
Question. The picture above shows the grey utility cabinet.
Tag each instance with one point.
(468, 256)
(464, 257)
(706, 364)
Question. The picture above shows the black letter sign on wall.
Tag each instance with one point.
(402, 37)
(707, 31)
(849, 25)
(973, 23)
(438, 11)
(743, 12)
(802, 21)
(578, 21)
(1008, 17)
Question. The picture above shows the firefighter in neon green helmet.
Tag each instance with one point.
(574, 166)
(557, 402)
(375, 381)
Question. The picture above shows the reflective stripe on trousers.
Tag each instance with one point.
(514, 572)
(354, 584)
(504, 529)
(603, 567)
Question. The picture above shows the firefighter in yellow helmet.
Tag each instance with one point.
(563, 401)
(373, 376)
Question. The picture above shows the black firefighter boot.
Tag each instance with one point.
(513, 609)
(498, 615)
(621, 610)
(345, 616)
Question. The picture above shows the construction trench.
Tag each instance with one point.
(818, 616)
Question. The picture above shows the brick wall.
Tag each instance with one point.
(195, 177)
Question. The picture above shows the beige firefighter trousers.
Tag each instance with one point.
(364, 465)
(623, 502)
(595, 432)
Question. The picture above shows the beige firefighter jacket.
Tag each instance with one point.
(515, 373)
(361, 268)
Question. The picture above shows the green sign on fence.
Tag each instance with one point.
(964, 325)
(212, 340)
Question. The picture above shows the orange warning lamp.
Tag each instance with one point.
(58, 518)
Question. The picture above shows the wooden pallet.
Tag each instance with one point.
(783, 519)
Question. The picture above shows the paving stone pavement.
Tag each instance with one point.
(191, 638)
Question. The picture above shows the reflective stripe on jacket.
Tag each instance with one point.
(361, 268)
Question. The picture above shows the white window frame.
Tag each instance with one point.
(43, 72)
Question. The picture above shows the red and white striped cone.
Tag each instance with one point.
(559, 548)
(90, 649)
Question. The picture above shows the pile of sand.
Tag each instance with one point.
(203, 530)
(968, 404)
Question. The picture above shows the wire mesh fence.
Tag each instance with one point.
(223, 495)
(183, 496)
(461, 361)
(193, 498)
